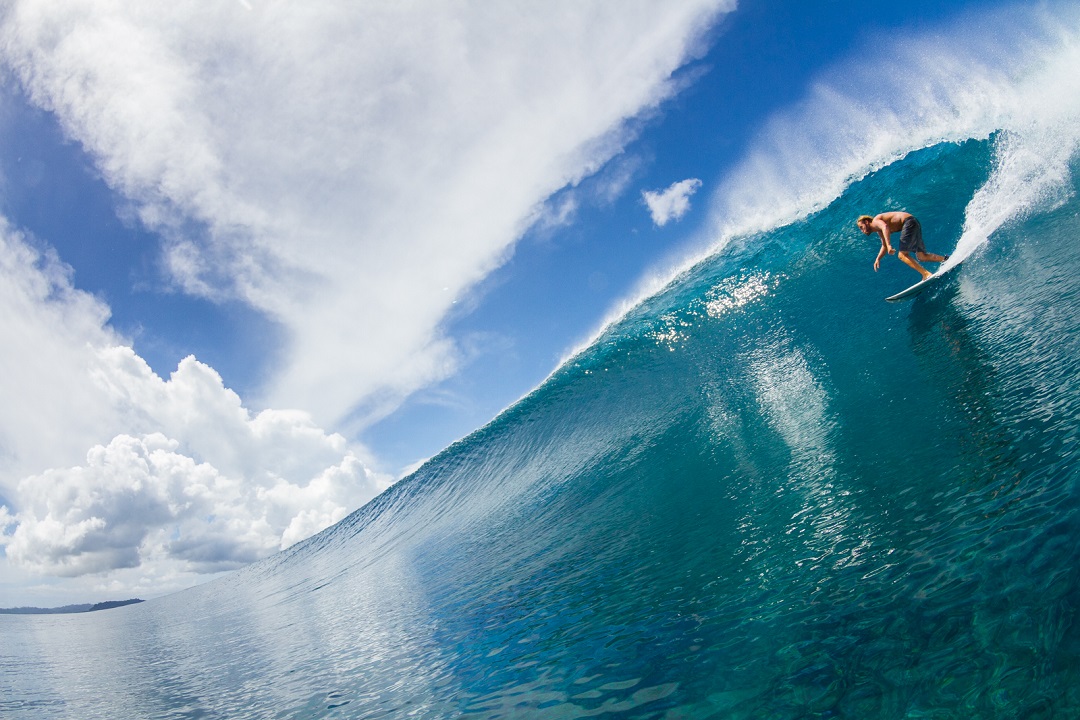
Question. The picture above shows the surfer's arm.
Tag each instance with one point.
(883, 231)
(877, 260)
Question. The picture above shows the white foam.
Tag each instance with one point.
(1040, 137)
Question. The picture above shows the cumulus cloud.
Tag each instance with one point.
(181, 478)
(672, 203)
(338, 165)
(216, 489)
(350, 169)
(139, 498)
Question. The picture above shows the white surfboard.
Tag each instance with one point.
(919, 286)
(913, 290)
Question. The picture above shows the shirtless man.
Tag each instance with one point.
(910, 239)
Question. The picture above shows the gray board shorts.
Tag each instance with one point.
(911, 236)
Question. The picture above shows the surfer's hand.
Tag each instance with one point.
(890, 249)
(877, 264)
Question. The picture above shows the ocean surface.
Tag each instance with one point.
(761, 493)
(764, 493)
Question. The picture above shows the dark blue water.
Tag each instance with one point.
(765, 493)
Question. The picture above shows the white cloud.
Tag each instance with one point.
(599, 190)
(51, 413)
(349, 168)
(338, 164)
(180, 479)
(138, 499)
(672, 203)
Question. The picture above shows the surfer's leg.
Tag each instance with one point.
(931, 257)
(906, 258)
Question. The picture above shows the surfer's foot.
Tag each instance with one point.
(927, 276)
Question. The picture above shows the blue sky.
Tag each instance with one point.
(524, 317)
(560, 283)
(360, 232)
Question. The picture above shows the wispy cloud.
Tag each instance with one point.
(672, 203)
(348, 168)
(337, 165)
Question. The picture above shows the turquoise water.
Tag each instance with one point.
(765, 493)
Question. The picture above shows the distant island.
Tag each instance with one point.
(87, 607)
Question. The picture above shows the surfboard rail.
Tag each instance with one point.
(921, 285)
(913, 290)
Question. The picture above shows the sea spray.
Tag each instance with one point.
(1032, 154)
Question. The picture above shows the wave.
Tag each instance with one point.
(761, 492)
(968, 81)
(764, 492)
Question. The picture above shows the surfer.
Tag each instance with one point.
(910, 239)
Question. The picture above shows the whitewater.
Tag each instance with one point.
(759, 492)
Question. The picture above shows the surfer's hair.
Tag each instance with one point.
(859, 222)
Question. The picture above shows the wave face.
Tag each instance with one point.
(763, 493)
